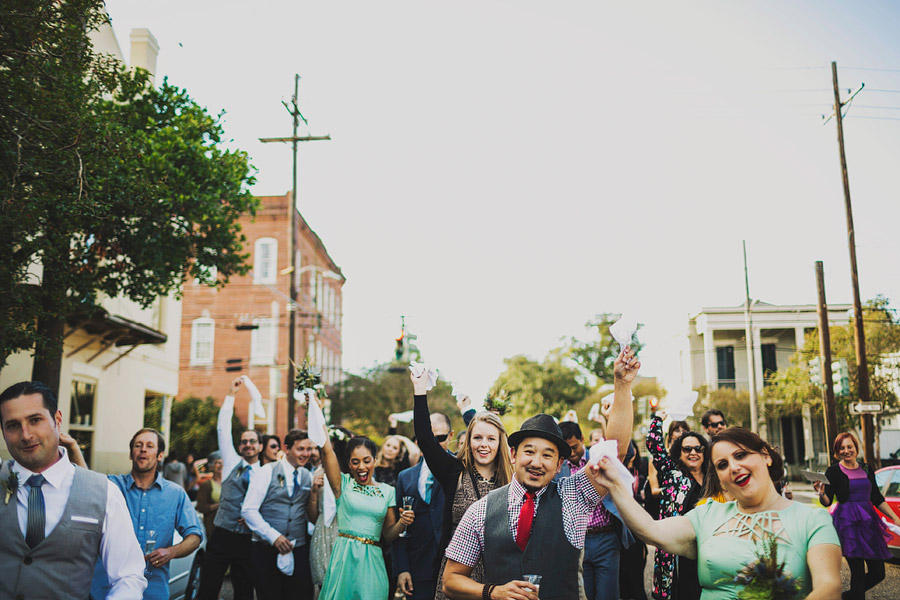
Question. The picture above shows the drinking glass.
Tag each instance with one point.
(407, 505)
(534, 580)
(149, 546)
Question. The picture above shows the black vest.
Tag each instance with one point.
(548, 553)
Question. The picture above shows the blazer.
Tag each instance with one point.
(839, 484)
(416, 553)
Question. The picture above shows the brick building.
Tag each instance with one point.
(242, 329)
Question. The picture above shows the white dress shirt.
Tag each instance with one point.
(256, 493)
(230, 456)
(119, 549)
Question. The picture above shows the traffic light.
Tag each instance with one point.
(840, 377)
(398, 352)
(653, 403)
(815, 372)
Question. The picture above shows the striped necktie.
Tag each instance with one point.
(296, 484)
(34, 531)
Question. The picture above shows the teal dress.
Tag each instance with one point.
(725, 545)
(356, 570)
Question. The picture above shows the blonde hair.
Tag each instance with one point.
(402, 452)
(501, 461)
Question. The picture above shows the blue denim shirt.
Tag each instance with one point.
(164, 508)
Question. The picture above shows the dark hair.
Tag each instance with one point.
(746, 439)
(356, 442)
(675, 451)
(704, 420)
(27, 388)
(258, 435)
(160, 441)
(839, 440)
(294, 436)
(677, 425)
(267, 437)
(570, 429)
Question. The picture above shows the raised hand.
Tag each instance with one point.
(626, 366)
(464, 403)
(235, 385)
(420, 383)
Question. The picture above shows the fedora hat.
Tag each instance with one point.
(542, 426)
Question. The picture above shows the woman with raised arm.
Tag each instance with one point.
(862, 533)
(680, 470)
(724, 537)
(481, 465)
(365, 513)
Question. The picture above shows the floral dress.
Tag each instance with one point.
(678, 492)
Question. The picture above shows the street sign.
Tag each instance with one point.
(866, 408)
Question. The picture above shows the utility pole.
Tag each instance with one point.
(825, 360)
(751, 359)
(294, 109)
(859, 335)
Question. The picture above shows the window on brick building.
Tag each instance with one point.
(202, 338)
(262, 342)
(265, 260)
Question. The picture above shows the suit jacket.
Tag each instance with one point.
(416, 553)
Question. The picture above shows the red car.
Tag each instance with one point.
(888, 481)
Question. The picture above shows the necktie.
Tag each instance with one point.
(429, 486)
(245, 474)
(526, 517)
(34, 531)
(296, 484)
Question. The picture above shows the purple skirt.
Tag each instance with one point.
(861, 531)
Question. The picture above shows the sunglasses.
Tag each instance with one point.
(689, 449)
(718, 424)
(441, 438)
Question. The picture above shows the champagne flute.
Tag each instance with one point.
(407, 505)
(149, 546)
(534, 580)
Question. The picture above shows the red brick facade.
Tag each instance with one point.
(211, 317)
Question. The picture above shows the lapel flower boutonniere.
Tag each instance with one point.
(11, 485)
(281, 480)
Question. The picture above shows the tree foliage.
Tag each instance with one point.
(596, 354)
(110, 186)
(791, 387)
(366, 400)
(193, 425)
(550, 386)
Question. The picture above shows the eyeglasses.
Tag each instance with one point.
(718, 424)
(689, 449)
(441, 437)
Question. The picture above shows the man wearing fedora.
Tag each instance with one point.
(535, 526)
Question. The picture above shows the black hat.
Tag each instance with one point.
(542, 426)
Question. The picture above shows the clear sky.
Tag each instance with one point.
(501, 171)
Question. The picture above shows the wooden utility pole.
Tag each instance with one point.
(294, 109)
(751, 358)
(859, 335)
(825, 360)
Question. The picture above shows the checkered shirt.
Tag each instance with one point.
(600, 517)
(579, 499)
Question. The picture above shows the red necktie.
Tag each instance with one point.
(526, 517)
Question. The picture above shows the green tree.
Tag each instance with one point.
(791, 388)
(597, 353)
(734, 403)
(550, 386)
(110, 186)
(193, 425)
(366, 400)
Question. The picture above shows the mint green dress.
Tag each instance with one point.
(356, 570)
(724, 546)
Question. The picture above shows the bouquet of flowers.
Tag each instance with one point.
(499, 403)
(765, 578)
(309, 377)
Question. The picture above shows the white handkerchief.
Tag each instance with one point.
(330, 510)
(892, 526)
(595, 411)
(404, 417)
(418, 368)
(610, 398)
(610, 449)
(623, 330)
(286, 562)
(255, 398)
(317, 427)
(682, 406)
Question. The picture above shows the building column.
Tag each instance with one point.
(799, 337)
(757, 359)
(709, 359)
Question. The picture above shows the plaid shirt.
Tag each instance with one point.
(600, 517)
(579, 499)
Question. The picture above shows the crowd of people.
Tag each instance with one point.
(534, 513)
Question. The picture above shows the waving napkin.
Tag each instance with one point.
(255, 398)
(682, 406)
(610, 398)
(623, 331)
(318, 433)
(610, 449)
(418, 368)
(404, 417)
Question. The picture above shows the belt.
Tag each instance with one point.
(604, 529)
(358, 539)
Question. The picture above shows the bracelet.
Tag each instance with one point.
(487, 590)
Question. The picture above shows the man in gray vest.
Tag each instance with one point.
(275, 511)
(554, 516)
(229, 544)
(56, 519)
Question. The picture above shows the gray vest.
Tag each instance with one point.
(62, 565)
(548, 552)
(287, 514)
(234, 488)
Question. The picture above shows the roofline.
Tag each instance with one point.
(770, 308)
